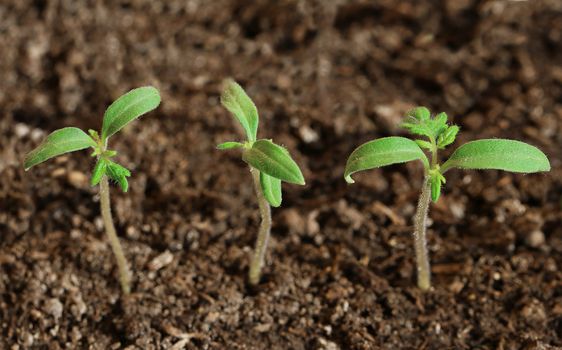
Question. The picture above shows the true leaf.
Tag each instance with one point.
(382, 152)
(237, 102)
(119, 174)
(418, 128)
(59, 142)
(273, 160)
(419, 113)
(98, 172)
(435, 188)
(271, 188)
(448, 136)
(128, 108)
(424, 144)
(498, 154)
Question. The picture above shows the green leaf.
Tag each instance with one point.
(98, 172)
(382, 152)
(59, 142)
(438, 124)
(229, 145)
(118, 174)
(424, 144)
(435, 189)
(271, 188)
(448, 136)
(273, 160)
(417, 128)
(510, 155)
(237, 102)
(420, 113)
(436, 182)
(128, 108)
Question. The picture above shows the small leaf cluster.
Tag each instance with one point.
(439, 135)
(273, 161)
(124, 110)
(501, 154)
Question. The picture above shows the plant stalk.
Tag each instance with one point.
(263, 233)
(124, 276)
(420, 240)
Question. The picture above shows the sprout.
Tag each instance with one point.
(120, 113)
(269, 164)
(499, 154)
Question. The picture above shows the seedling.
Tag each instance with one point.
(269, 165)
(501, 154)
(120, 113)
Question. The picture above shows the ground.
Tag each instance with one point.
(326, 77)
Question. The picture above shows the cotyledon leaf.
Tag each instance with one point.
(229, 145)
(237, 102)
(501, 154)
(59, 142)
(129, 107)
(271, 188)
(382, 152)
(273, 160)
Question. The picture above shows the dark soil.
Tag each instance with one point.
(326, 76)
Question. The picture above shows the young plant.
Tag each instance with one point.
(120, 113)
(269, 165)
(509, 155)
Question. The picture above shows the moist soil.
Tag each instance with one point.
(326, 77)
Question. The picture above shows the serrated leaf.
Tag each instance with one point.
(382, 152)
(271, 188)
(273, 160)
(448, 136)
(501, 154)
(438, 124)
(129, 107)
(416, 128)
(419, 113)
(229, 145)
(237, 102)
(424, 144)
(118, 174)
(59, 142)
(98, 172)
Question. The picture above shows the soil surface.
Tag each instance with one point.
(326, 77)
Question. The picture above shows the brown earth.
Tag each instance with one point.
(326, 76)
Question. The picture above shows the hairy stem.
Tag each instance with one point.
(420, 240)
(124, 276)
(263, 233)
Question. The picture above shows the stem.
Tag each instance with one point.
(420, 241)
(124, 276)
(263, 233)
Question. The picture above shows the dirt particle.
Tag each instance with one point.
(54, 308)
(535, 239)
(161, 261)
(78, 179)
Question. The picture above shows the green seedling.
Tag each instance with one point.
(509, 155)
(120, 113)
(269, 165)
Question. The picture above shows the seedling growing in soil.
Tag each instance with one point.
(498, 154)
(120, 113)
(269, 164)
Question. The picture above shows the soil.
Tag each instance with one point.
(326, 76)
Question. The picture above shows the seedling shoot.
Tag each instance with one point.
(269, 165)
(124, 110)
(501, 154)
